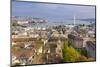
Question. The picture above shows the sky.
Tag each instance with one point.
(52, 12)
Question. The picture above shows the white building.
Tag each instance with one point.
(21, 22)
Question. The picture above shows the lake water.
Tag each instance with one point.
(48, 24)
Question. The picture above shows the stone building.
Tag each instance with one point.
(91, 49)
(75, 41)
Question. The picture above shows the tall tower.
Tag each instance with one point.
(74, 20)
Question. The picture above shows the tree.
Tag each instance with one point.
(83, 52)
(70, 54)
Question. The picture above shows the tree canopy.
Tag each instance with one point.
(69, 53)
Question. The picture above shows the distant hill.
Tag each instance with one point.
(89, 19)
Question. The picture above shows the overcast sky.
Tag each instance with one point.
(52, 12)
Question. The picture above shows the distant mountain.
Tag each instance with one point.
(89, 19)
